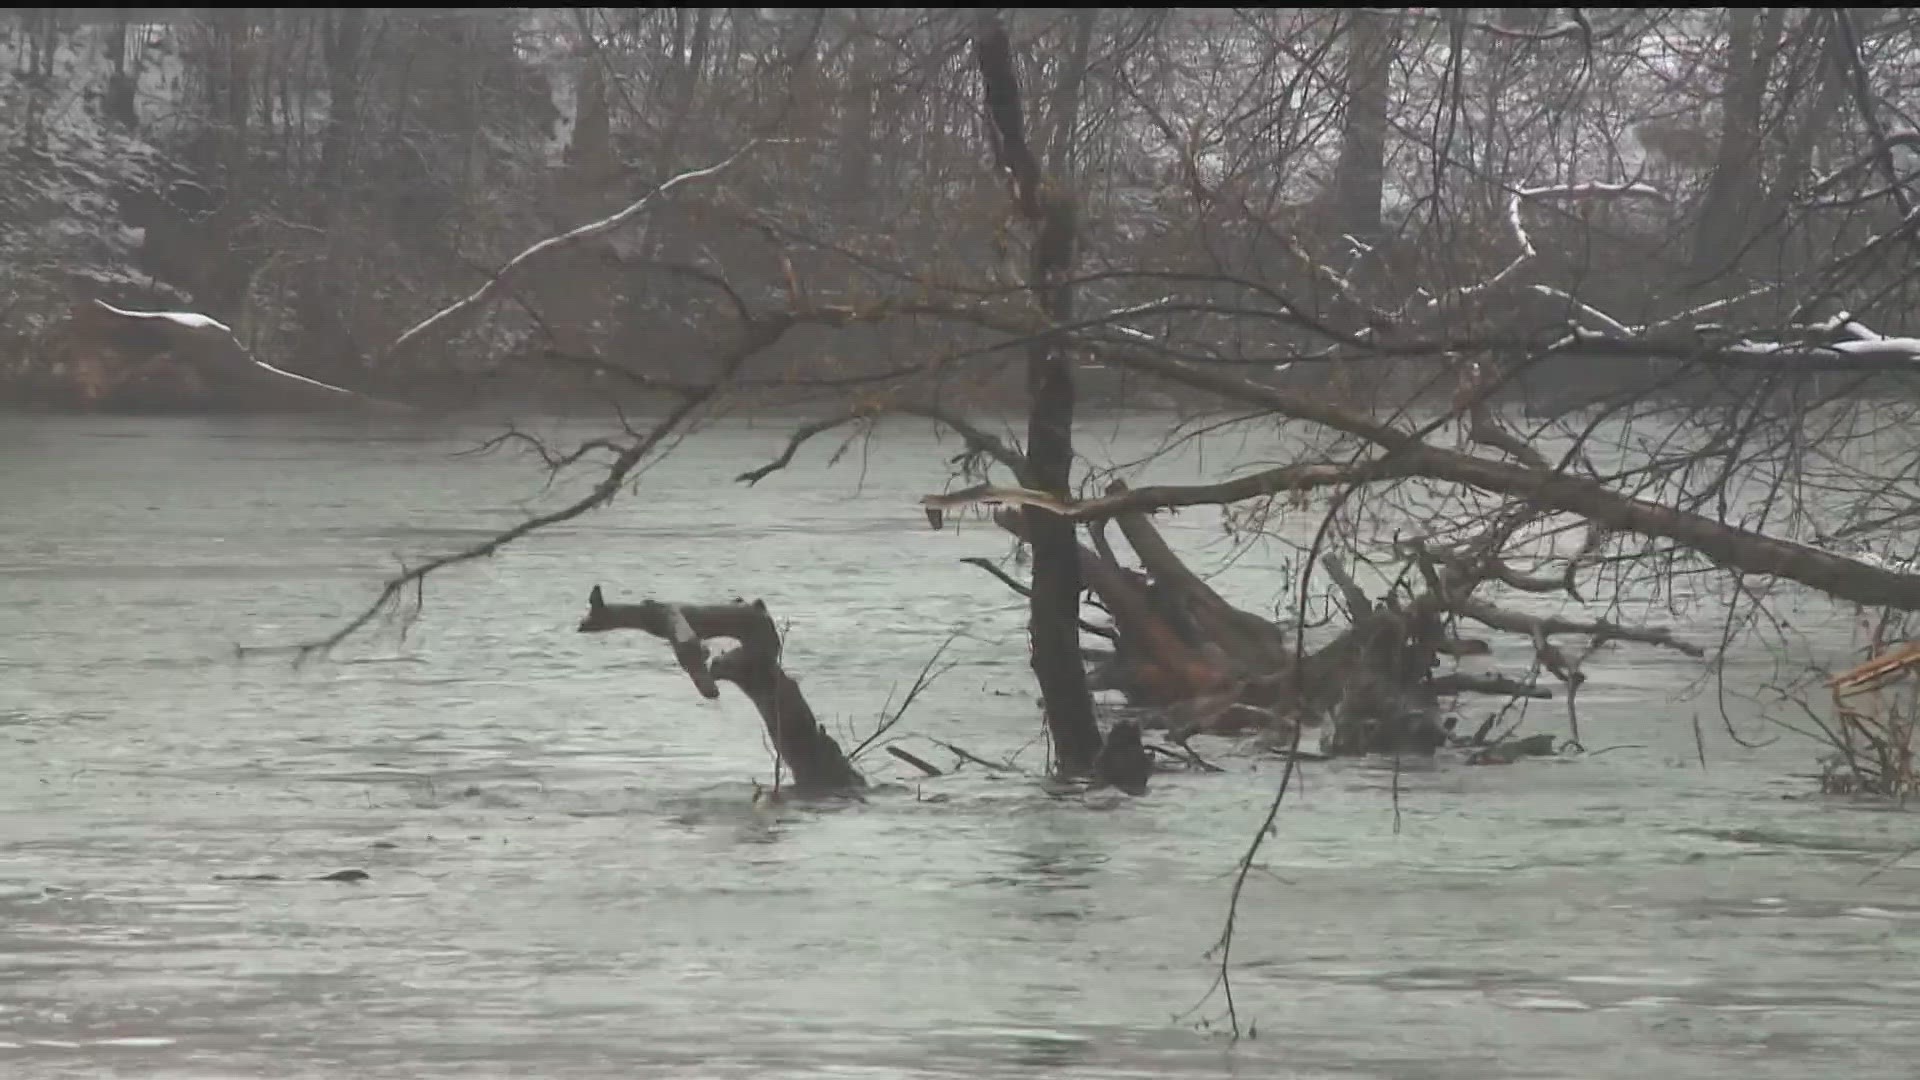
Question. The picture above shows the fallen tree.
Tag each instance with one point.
(1201, 664)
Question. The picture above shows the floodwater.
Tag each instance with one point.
(567, 878)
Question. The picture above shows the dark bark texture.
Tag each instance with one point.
(1054, 605)
(815, 759)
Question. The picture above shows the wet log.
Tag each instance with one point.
(814, 758)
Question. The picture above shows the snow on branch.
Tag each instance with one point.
(210, 343)
(190, 319)
(564, 240)
(1851, 344)
(1606, 321)
(1517, 223)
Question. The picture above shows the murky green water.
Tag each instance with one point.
(567, 880)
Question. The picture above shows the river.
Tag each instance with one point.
(567, 878)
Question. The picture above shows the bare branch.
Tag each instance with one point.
(1538, 628)
(976, 439)
(1463, 683)
(1006, 579)
(602, 493)
(591, 229)
(1728, 545)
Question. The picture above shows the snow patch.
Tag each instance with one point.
(1877, 345)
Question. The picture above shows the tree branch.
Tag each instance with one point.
(1538, 627)
(976, 439)
(567, 239)
(1006, 579)
(1462, 683)
(1727, 545)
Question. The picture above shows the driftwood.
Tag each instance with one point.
(813, 757)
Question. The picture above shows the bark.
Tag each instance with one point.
(120, 85)
(236, 35)
(344, 36)
(1063, 144)
(815, 759)
(1055, 604)
(1154, 664)
(1251, 643)
(1360, 175)
(1817, 113)
(1372, 680)
(1753, 38)
(590, 147)
(857, 133)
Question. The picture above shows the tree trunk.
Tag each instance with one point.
(856, 162)
(1753, 37)
(237, 36)
(120, 85)
(1155, 663)
(818, 765)
(1054, 608)
(1063, 145)
(345, 33)
(1360, 177)
(590, 149)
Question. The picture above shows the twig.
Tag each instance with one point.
(1108, 632)
(1535, 626)
(1185, 754)
(976, 439)
(795, 442)
(918, 763)
(920, 682)
(1462, 682)
(1224, 946)
(968, 755)
(1617, 746)
(602, 493)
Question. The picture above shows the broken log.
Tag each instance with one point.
(815, 759)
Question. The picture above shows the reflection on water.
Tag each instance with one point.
(565, 876)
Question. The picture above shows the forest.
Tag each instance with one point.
(1562, 300)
